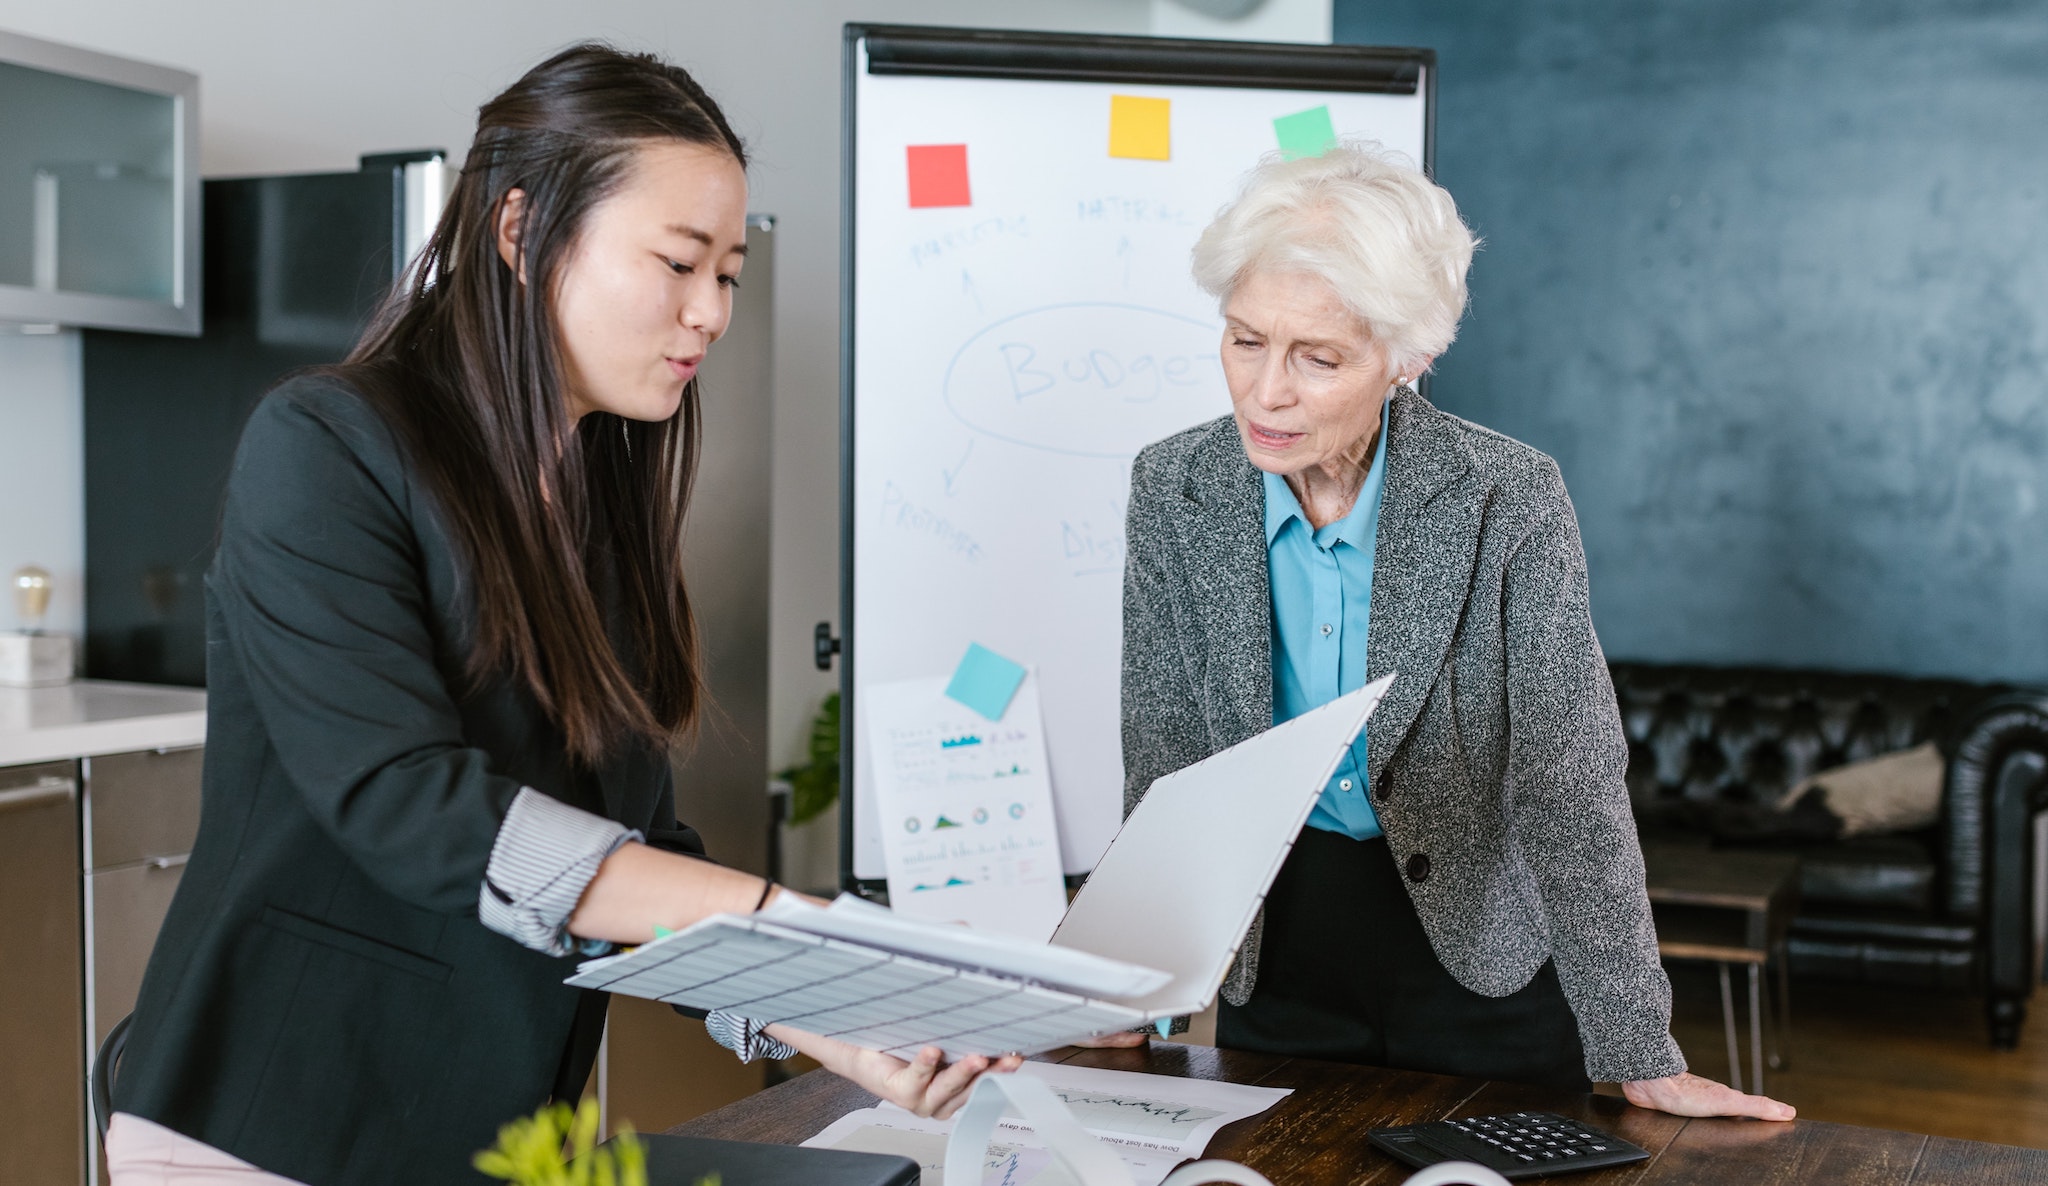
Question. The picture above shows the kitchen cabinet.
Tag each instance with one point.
(42, 1006)
(91, 851)
(139, 815)
(99, 190)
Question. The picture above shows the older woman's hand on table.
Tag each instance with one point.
(1687, 1094)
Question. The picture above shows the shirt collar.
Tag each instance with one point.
(1356, 527)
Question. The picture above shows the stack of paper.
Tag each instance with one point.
(856, 972)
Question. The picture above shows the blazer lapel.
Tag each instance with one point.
(1422, 567)
(1232, 597)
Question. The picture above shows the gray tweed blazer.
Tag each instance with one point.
(1497, 757)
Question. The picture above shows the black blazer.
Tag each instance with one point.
(322, 1001)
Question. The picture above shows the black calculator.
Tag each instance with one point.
(1514, 1145)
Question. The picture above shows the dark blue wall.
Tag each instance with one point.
(1769, 278)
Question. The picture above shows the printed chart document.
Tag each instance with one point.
(1149, 936)
(1154, 1122)
(966, 807)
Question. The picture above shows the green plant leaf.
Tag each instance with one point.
(632, 1157)
(814, 786)
(558, 1147)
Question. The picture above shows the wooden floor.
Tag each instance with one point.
(1882, 1057)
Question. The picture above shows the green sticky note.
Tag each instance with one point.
(1305, 133)
(661, 932)
(985, 681)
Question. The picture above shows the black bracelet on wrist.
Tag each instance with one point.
(767, 887)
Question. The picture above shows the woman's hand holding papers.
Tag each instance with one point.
(1118, 1040)
(925, 1085)
(1687, 1094)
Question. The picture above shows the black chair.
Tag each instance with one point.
(1948, 908)
(103, 1066)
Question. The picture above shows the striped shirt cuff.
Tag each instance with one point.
(543, 859)
(745, 1038)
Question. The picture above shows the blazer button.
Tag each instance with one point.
(1418, 867)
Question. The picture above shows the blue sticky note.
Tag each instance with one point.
(985, 681)
(1165, 1027)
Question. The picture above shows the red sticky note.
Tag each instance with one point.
(938, 175)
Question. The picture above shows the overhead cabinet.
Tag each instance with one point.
(99, 190)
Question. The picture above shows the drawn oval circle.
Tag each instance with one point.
(1088, 379)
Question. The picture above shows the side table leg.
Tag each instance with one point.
(1778, 1013)
(1728, 1023)
(1756, 1027)
(1785, 1006)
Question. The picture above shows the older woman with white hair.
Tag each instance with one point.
(1468, 895)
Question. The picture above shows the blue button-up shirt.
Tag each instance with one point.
(1322, 611)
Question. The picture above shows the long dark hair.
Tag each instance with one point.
(554, 519)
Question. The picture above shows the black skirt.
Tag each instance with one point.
(1346, 974)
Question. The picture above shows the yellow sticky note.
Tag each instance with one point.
(1140, 129)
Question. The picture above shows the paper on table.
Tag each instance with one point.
(1160, 1114)
(1154, 1122)
(966, 803)
(1017, 1159)
(900, 1134)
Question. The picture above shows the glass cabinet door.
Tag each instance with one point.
(98, 194)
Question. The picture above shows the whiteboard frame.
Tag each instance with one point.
(1052, 57)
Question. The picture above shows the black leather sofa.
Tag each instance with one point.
(1951, 907)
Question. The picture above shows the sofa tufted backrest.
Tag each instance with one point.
(1749, 733)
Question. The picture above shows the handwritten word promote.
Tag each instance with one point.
(904, 515)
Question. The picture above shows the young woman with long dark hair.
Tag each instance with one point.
(449, 646)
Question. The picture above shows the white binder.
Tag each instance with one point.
(1150, 935)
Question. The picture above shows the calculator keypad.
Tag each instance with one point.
(1516, 1144)
(1534, 1137)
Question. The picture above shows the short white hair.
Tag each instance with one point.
(1386, 239)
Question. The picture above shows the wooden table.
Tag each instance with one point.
(1729, 908)
(1317, 1135)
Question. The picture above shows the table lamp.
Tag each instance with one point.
(29, 657)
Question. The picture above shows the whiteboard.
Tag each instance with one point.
(1008, 359)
